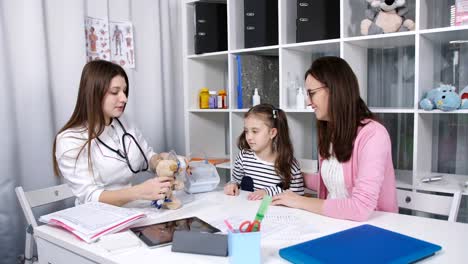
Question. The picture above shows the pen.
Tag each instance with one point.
(432, 179)
(229, 226)
(262, 211)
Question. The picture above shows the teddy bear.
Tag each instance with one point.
(168, 168)
(386, 16)
(443, 97)
(464, 98)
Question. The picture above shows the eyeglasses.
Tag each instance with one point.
(311, 92)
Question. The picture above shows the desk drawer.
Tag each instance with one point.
(49, 253)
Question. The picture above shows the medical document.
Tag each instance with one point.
(92, 220)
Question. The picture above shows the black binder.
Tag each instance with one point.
(210, 27)
(260, 23)
(317, 20)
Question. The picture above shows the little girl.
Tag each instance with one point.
(266, 157)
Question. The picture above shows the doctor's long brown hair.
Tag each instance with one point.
(346, 111)
(282, 143)
(95, 81)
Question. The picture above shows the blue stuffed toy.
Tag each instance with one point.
(464, 98)
(443, 97)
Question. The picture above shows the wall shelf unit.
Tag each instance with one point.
(394, 71)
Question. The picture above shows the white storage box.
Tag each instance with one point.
(204, 177)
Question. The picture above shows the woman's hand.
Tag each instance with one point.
(257, 195)
(153, 189)
(231, 189)
(289, 199)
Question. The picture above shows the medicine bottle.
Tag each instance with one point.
(204, 98)
(213, 100)
(222, 103)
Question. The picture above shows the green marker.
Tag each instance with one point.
(262, 211)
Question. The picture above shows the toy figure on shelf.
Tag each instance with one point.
(443, 97)
(464, 98)
(386, 17)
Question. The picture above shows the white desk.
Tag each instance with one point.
(58, 246)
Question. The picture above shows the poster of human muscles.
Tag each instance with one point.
(97, 39)
(111, 41)
(122, 44)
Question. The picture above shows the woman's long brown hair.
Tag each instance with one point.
(283, 146)
(95, 81)
(346, 109)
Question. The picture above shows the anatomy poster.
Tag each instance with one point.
(122, 49)
(111, 41)
(97, 39)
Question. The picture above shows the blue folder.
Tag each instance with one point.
(362, 244)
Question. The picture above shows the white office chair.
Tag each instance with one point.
(430, 203)
(31, 199)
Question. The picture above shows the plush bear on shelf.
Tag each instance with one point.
(464, 98)
(386, 16)
(443, 97)
(168, 168)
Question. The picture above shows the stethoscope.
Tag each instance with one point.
(124, 154)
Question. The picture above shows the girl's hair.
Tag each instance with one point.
(95, 80)
(274, 118)
(346, 109)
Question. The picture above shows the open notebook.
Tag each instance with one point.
(362, 244)
(92, 220)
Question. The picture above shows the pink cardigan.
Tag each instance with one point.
(369, 177)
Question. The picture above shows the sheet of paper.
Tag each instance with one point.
(119, 242)
(274, 227)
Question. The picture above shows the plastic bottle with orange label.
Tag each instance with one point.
(222, 103)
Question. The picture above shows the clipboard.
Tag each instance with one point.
(362, 244)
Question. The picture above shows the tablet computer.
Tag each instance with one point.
(161, 234)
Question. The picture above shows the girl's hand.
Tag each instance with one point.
(231, 189)
(257, 195)
(289, 199)
(153, 189)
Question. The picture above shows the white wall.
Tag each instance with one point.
(42, 53)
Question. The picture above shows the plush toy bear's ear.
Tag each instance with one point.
(374, 3)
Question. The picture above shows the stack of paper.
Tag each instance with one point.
(90, 221)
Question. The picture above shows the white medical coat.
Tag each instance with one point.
(109, 171)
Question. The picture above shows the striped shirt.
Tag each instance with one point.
(264, 175)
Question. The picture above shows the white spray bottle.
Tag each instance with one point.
(255, 98)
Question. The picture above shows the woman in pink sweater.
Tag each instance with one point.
(356, 175)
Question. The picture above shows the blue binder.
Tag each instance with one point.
(362, 244)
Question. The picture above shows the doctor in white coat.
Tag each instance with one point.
(98, 151)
